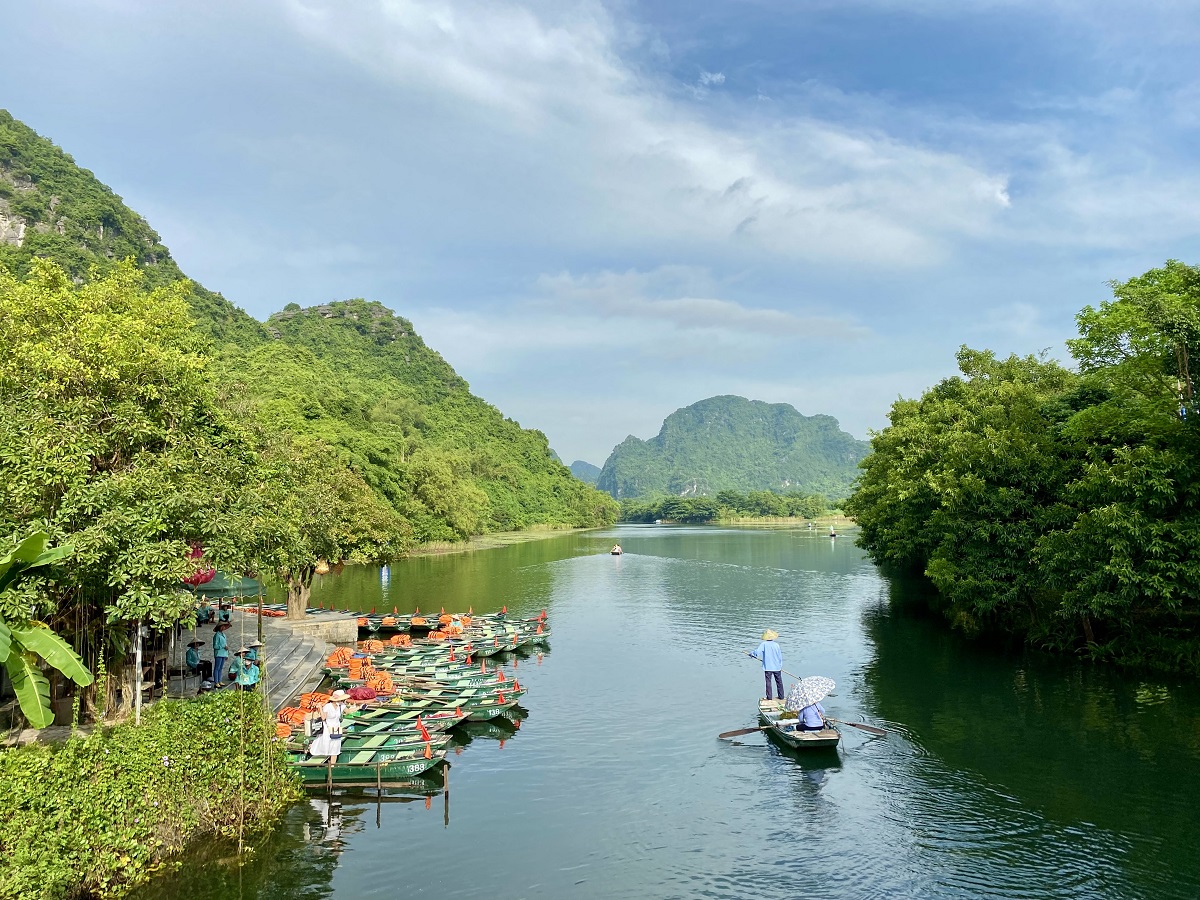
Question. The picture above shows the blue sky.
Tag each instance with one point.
(601, 212)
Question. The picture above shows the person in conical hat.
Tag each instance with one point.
(771, 657)
(192, 660)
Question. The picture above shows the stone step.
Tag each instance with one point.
(303, 676)
(290, 655)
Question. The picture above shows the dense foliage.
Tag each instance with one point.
(1062, 507)
(361, 380)
(209, 766)
(726, 505)
(56, 210)
(730, 443)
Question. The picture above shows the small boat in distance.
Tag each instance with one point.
(616, 550)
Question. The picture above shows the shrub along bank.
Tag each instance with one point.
(97, 815)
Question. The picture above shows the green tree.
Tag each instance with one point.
(22, 643)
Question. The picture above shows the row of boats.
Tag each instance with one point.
(410, 692)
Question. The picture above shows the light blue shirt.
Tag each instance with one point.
(220, 645)
(247, 674)
(771, 656)
(812, 715)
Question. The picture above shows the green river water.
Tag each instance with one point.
(1002, 775)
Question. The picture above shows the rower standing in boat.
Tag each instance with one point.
(771, 656)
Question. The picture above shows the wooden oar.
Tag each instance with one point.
(729, 734)
(868, 728)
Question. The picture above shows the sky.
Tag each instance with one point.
(599, 213)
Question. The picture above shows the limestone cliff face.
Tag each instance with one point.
(12, 227)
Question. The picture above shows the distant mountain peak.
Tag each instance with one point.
(585, 471)
(732, 443)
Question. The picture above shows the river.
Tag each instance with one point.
(1002, 775)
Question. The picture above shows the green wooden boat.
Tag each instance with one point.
(485, 711)
(770, 712)
(409, 740)
(364, 766)
(436, 716)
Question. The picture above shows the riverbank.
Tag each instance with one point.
(96, 815)
(494, 541)
(838, 522)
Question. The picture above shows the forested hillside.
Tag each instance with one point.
(51, 208)
(349, 377)
(1060, 506)
(585, 471)
(732, 444)
(360, 379)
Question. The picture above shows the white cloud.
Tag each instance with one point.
(550, 84)
(664, 295)
(707, 78)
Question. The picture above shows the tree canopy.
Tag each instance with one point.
(1059, 506)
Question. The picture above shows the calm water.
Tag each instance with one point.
(1001, 777)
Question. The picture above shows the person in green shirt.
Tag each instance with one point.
(247, 671)
(192, 660)
(220, 651)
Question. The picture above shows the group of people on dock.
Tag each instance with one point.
(244, 672)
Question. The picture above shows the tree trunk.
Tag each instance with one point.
(299, 588)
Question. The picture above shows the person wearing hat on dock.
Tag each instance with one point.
(771, 657)
(329, 741)
(220, 650)
(252, 650)
(195, 664)
(247, 671)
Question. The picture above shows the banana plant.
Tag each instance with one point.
(21, 645)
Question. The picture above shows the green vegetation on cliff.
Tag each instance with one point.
(1058, 506)
(362, 381)
(732, 444)
(585, 471)
(52, 209)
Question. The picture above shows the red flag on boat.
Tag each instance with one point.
(451, 654)
(496, 642)
(372, 610)
(428, 752)
(421, 728)
(500, 698)
(500, 675)
(469, 663)
(539, 628)
(458, 711)
(504, 609)
(483, 664)
(395, 612)
(516, 685)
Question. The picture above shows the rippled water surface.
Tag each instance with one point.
(1001, 777)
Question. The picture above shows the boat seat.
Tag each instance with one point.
(314, 761)
(375, 742)
(362, 758)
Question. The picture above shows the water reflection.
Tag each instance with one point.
(1098, 754)
(1001, 776)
